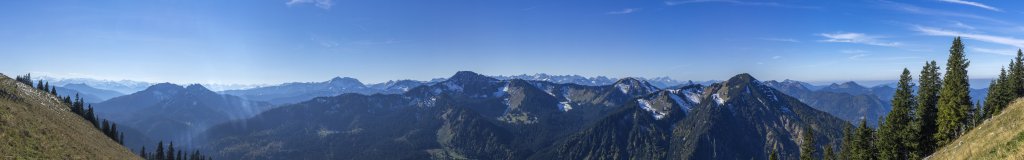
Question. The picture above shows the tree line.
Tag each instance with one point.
(939, 113)
(171, 153)
(108, 128)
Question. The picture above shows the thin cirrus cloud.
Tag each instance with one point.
(1007, 52)
(975, 4)
(625, 11)
(908, 8)
(858, 38)
(325, 4)
(737, 2)
(781, 40)
(981, 37)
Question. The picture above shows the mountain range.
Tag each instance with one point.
(169, 112)
(471, 116)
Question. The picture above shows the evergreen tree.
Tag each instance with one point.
(863, 147)
(120, 138)
(807, 147)
(105, 128)
(53, 91)
(170, 151)
(996, 91)
(39, 85)
(160, 151)
(143, 153)
(178, 157)
(90, 115)
(895, 135)
(847, 147)
(830, 154)
(46, 86)
(954, 97)
(113, 131)
(1016, 75)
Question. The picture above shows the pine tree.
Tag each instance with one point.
(142, 153)
(995, 91)
(90, 115)
(105, 128)
(807, 147)
(170, 151)
(178, 157)
(847, 147)
(113, 131)
(39, 85)
(954, 98)
(1016, 75)
(160, 151)
(863, 147)
(894, 134)
(53, 91)
(46, 86)
(830, 154)
(120, 138)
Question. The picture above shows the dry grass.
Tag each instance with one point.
(1001, 137)
(35, 125)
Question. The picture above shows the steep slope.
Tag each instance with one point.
(736, 119)
(845, 105)
(170, 112)
(466, 116)
(1001, 137)
(35, 125)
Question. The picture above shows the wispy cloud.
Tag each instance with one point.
(962, 25)
(738, 2)
(325, 4)
(976, 4)
(857, 56)
(625, 11)
(852, 51)
(859, 38)
(981, 37)
(781, 40)
(776, 57)
(1005, 52)
(933, 12)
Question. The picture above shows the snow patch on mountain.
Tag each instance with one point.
(564, 106)
(646, 105)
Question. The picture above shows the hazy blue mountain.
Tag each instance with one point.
(303, 91)
(661, 82)
(448, 119)
(839, 101)
(171, 112)
(471, 116)
(122, 86)
(100, 94)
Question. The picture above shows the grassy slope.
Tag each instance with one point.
(34, 125)
(1001, 137)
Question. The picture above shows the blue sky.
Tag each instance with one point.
(274, 41)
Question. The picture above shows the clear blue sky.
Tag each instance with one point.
(274, 41)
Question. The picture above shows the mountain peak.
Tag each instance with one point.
(740, 79)
(344, 81)
(195, 87)
(465, 76)
(629, 85)
(165, 86)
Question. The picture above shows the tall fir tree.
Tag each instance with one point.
(807, 147)
(1016, 75)
(159, 155)
(954, 97)
(170, 151)
(895, 135)
(830, 153)
(142, 153)
(847, 148)
(863, 147)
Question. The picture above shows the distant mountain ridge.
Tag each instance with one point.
(170, 112)
(471, 116)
